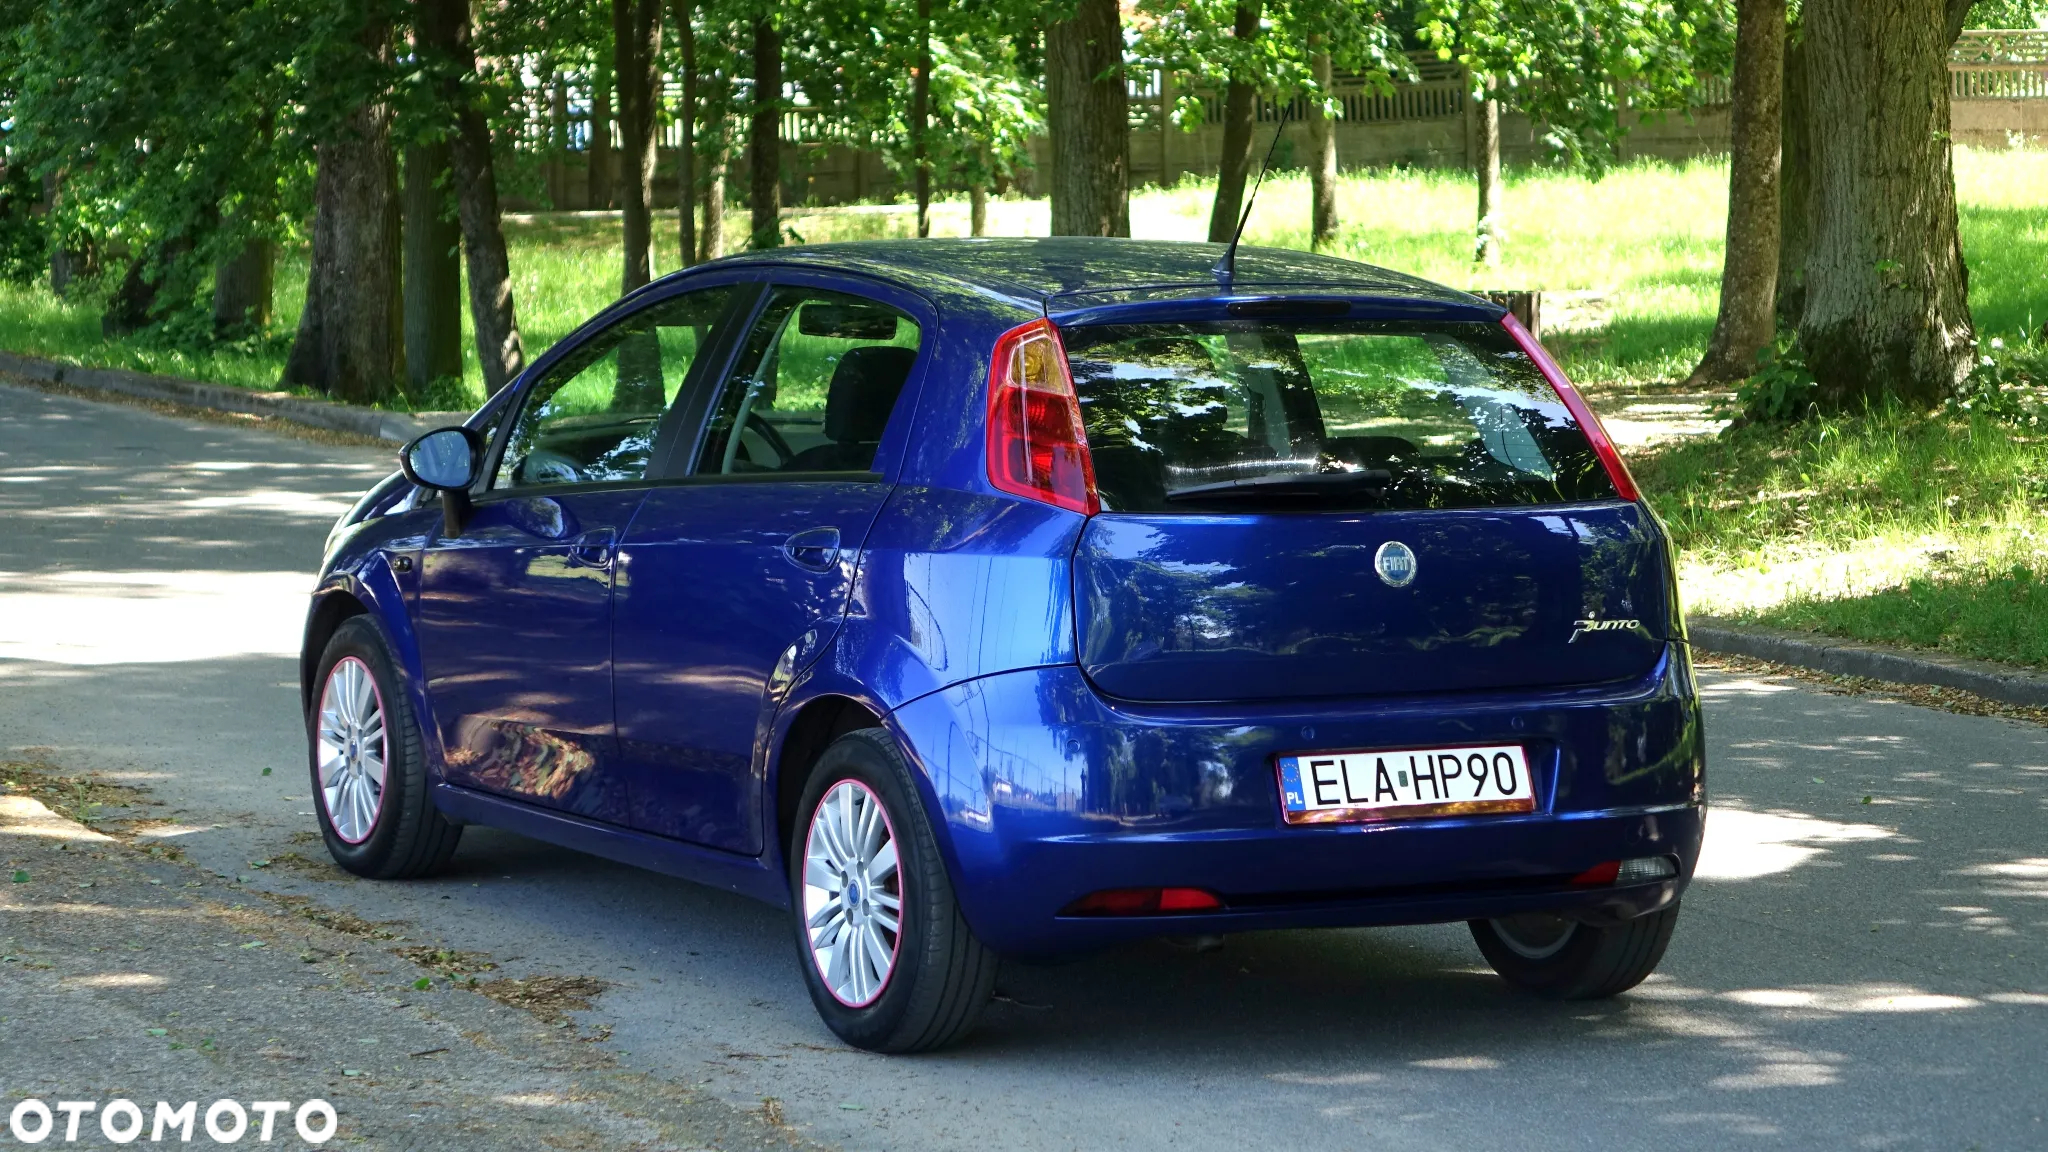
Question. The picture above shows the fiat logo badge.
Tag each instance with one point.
(1395, 562)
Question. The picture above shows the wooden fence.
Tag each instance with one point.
(1998, 81)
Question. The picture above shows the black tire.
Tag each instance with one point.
(1584, 963)
(942, 976)
(408, 837)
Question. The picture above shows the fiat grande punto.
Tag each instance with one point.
(1016, 598)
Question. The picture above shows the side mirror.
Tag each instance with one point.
(445, 460)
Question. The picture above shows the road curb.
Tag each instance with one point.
(394, 426)
(1849, 658)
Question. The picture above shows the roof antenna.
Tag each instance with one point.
(1226, 265)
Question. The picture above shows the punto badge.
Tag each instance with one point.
(1395, 562)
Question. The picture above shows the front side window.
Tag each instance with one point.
(813, 387)
(1261, 416)
(592, 420)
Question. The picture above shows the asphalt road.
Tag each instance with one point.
(1847, 974)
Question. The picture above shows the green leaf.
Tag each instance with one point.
(422, 984)
(159, 1031)
(266, 771)
(259, 863)
(20, 877)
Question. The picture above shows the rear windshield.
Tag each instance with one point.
(1257, 415)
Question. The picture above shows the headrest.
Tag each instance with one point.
(863, 392)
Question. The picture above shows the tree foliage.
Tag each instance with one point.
(168, 162)
(1573, 66)
(1195, 39)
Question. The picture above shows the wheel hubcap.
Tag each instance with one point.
(853, 894)
(353, 749)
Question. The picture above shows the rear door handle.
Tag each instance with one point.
(814, 548)
(593, 549)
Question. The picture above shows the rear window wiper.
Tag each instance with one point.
(1286, 484)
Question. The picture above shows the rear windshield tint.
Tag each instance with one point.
(1258, 416)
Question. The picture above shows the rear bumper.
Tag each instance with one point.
(1050, 791)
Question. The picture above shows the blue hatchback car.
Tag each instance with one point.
(1015, 598)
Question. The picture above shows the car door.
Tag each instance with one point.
(747, 561)
(515, 611)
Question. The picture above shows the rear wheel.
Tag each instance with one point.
(368, 764)
(889, 960)
(1565, 960)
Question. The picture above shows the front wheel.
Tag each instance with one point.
(369, 764)
(887, 956)
(1565, 960)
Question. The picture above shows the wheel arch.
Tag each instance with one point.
(814, 726)
(329, 609)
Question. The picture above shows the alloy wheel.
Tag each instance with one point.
(853, 893)
(354, 749)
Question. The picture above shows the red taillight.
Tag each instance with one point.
(1036, 445)
(1624, 484)
(1599, 875)
(1144, 902)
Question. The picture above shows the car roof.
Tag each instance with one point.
(1051, 273)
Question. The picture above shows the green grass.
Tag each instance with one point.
(1646, 239)
(1893, 528)
(1986, 615)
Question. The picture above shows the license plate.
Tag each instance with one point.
(1339, 787)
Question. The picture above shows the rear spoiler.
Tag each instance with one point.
(1208, 305)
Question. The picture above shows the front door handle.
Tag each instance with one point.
(593, 549)
(814, 548)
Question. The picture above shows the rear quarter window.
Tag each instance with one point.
(1258, 415)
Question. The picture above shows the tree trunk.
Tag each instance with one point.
(1749, 267)
(433, 269)
(1088, 115)
(352, 297)
(684, 17)
(1887, 311)
(1240, 121)
(558, 141)
(445, 29)
(977, 208)
(66, 264)
(1795, 184)
(920, 118)
(764, 136)
(1322, 169)
(711, 242)
(636, 38)
(243, 285)
(302, 361)
(1486, 249)
(599, 187)
(128, 308)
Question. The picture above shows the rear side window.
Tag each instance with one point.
(813, 388)
(1256, 416)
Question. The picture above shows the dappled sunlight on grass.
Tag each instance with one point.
(1893, 528)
